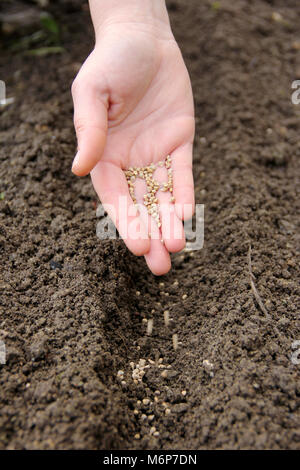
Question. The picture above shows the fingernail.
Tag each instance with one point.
(76, 160)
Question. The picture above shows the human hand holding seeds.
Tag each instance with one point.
(133, 112)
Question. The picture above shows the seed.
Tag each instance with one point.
(175, 341)
(166, 317)
(183, 393)
(167, 411)
(184, 296)
(146, 173)
(149, 326)
(146, 401)
(150, 418)
(208, 365)
(138, 293)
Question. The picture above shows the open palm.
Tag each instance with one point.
(133, 106)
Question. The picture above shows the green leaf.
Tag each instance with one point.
(43, 51)
(216, 6)
(49, 23)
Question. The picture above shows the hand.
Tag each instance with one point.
(133, 105)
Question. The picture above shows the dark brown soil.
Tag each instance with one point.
(70, 315)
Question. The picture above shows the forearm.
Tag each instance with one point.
(150, 13)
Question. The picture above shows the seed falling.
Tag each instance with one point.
(153, 186)
(166, 317)
(149, 326)
(175, 341)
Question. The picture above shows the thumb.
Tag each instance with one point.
(90, 121)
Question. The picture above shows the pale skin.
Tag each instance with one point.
(133, 105)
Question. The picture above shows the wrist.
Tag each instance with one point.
(151, 15)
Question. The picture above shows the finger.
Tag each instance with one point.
(90, 121)
(172, 228)
(111, 186)
(157, 258)
(183, 183)
(171, 225)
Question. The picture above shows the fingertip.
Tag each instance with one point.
(185, 210)
(80, 170)
(158, 259)
(160, 269)
(175, 245)
(140, 247)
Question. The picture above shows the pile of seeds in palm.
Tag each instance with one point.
(153, 186)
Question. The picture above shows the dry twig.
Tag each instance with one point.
(254, 290)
